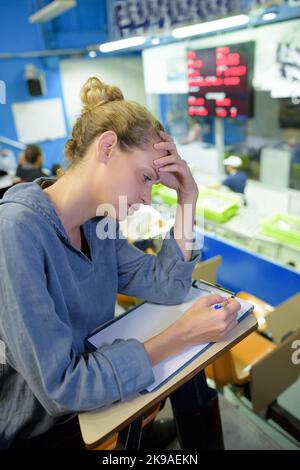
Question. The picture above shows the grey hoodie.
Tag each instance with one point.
(52, 296)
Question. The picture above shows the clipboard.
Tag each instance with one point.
(147, 320)
(209, 285)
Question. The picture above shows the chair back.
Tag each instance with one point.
(285, 319)
(274, 373)
(207, 270)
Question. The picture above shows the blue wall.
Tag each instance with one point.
(77, 28)
(81, 26)
(242, 270)
(12, 72)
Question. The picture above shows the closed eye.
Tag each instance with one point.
(146, 178)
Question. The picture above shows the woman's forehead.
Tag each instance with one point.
(151, 154)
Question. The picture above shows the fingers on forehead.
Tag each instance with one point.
(168, 145)
(166, 136)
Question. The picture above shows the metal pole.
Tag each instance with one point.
(220, 144)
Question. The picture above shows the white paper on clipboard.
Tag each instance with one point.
(148, 320)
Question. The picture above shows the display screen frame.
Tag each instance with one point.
(220, 81)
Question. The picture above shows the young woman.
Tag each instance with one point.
(59, 276)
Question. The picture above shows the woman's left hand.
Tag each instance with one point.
(175, 172)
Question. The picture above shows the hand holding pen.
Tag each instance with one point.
(201, 323)
(223, 304)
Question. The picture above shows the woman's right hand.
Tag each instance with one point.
(201, 323)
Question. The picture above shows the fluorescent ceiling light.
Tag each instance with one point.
(55, 8)
(269, 16)
(209, 26)
(122, 44)
(155, 41)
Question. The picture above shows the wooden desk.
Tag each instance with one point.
(97, 426)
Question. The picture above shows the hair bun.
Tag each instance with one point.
(95, 93)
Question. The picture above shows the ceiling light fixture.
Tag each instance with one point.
(55, 8)
(155, 41)
(271, 15)
(210, 26)
(122, 44)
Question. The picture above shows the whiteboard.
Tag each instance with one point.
(37, 121)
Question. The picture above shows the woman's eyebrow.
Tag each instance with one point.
(153, 170)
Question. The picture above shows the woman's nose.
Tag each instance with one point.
(146, 198)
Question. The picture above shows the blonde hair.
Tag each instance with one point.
(104, 109)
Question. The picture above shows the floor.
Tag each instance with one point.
(290, 399)
(242, 429)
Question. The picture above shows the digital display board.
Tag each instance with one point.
(220, 81)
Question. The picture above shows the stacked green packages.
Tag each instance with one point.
(284, 228)
(164, 194)
(214, 205)
(217, 205)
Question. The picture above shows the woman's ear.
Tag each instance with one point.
(106, 143)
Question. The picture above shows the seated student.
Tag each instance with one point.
(60, 271)
(56, 169)
(30, 164)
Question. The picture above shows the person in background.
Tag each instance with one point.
(8, 161)
(30, 164)
(236, 179)
(195, 132)
(56, 169)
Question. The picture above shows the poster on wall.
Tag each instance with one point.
(278, 61)
(165, 69)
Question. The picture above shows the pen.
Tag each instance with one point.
(217, 306)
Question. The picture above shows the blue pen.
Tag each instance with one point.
(217, 306)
